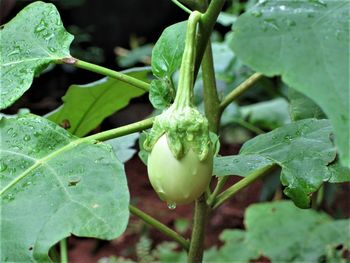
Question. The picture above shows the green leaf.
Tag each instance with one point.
(54, 185)
(143, 154)
(241, 165)
(167, 52)
(29, 43)
(86, 106)
(287, 224)
(302, 107)
(226, 19)
(161, 93)
(330, 240)
(135, 56)
(268, 114)
(122, 146)
(303, 150)
(307, 42)
(339, 173)
(306, 235)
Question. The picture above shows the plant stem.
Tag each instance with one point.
(240, 89)
(123, 130)
(184, 8)
(195, 253)
(211, 102)
(107, 72)
(161, 227)
(250, 126)
(206, 26)
(221, 183)
(234, 189)
(63, 251)
(186, 79)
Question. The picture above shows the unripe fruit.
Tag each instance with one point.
(178, 181)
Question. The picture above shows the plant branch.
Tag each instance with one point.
(183, 7)
(195, 253)
(240, 89)
(160, 226)
(220, 184)
(234, 189)
(107, 72)
(249, 126)
(211, 102)
(63, 251)
(206, 26)
(123, 130)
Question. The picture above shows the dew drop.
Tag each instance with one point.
(171, 205)
(3, 167)
(9, 131)
(257, 13)
(47, 38)
(189, 137)
(291, 23)
(26, 138)
(10, 197)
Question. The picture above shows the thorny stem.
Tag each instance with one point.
(234, 189)
(240, 89)
(160, 226)
(107, 72)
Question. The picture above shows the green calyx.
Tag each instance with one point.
(185, 127)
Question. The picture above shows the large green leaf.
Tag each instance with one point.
(303, 150)
(166, 60)
(86, 106)
(122, 146)
(54, 185)
(307, 42)
(241, 165)
(29, 43)
(279, 231)
(267, 114)
(167, 52)
(305, 235)
(302, 107)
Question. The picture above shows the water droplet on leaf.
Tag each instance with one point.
(171, 205)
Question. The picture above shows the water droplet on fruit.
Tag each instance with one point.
(171, 205)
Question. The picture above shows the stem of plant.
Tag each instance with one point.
(63, 251)
(183, 7)
(161, 227)
(211, 100)
(107, 72)
(234, 189)
(123, 130)
(240, 89)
